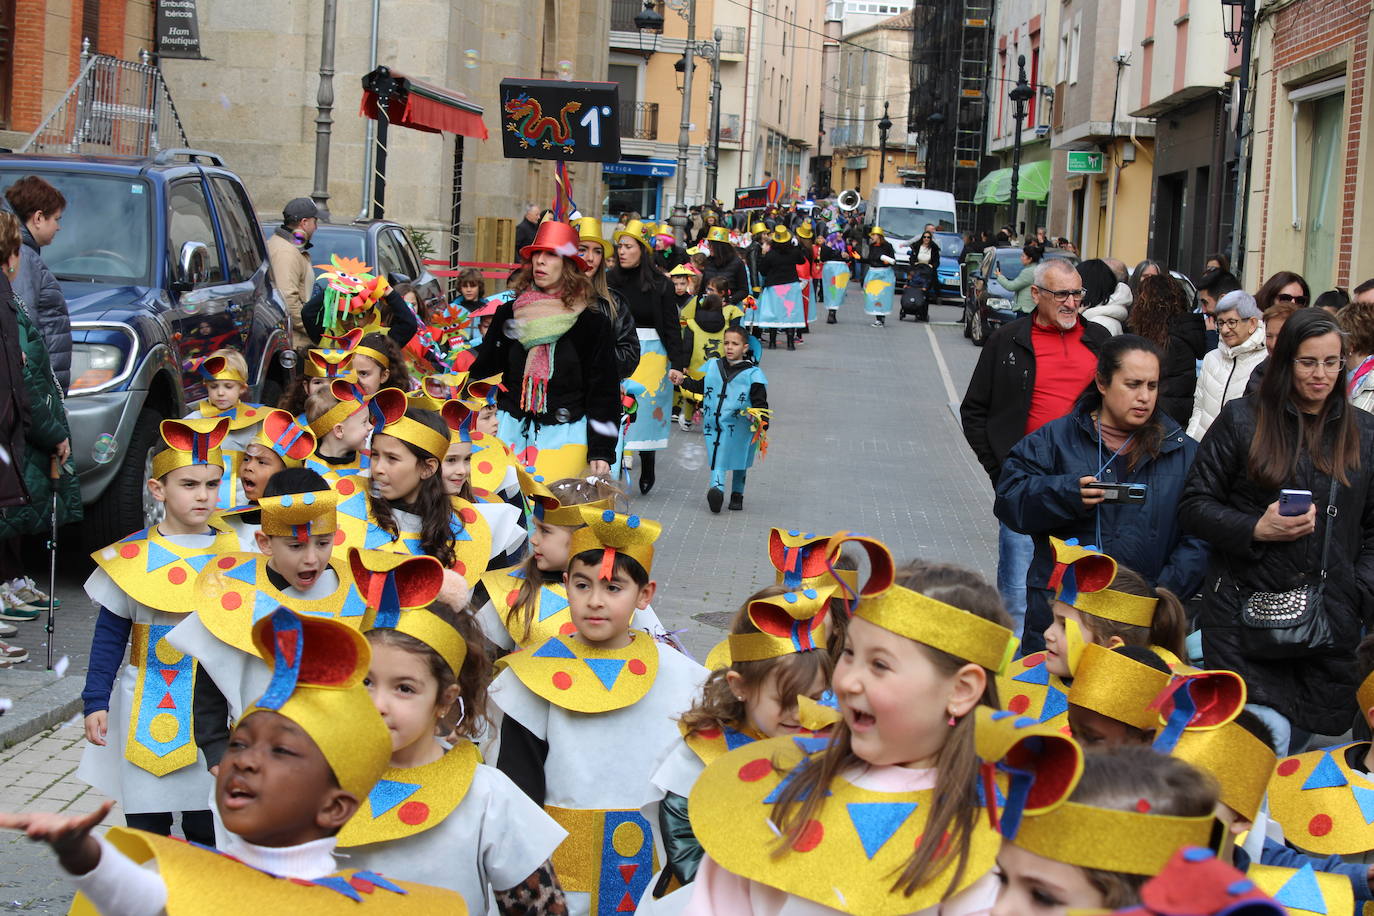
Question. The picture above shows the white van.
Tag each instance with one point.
(902, 214)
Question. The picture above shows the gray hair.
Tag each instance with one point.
(1048, 265)
(1239, 301)
(1118, 267)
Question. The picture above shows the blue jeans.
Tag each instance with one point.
(737, 479)
(1014, 553)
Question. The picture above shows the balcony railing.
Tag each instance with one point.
(639, 120)
(732, 39)
(623, 13)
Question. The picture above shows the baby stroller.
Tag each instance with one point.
(916, 296)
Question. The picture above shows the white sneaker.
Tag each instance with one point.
(7, 630)
(29, 591)
(684, 422)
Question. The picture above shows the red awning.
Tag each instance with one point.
(422, 106)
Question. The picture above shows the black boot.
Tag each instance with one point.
(646, 471)
(736, 501)
(791, 339)
(830, 317)
(772, 338)
(714, 497)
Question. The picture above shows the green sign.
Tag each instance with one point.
(1083, 162)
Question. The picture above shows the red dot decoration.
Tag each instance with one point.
(231, 601)
(413, 813)
(1319, 825)
(226, 562)
(1143, 806)
(510, 598)
(345, 487)
(755, 770)
(1289, 767)
(468, 516)
(128, 551)
(460, 567)
(362, 885)
(562, 680)
(637, 667)
(710, 734)
(1019, 703)
(1030, 661)
(338, 537)
(176, 575)
(567, 629)
(484, 467)
(810, 837)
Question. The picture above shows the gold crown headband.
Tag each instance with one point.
(377, 356)
(1080, 579)
(217, 369)
(351, 399)
(282, 434)
(546, 507)
(789, 623)
(1242, 764)
(614, 534)
(1133, 842)
(1117, 687)
(1365, 696)
(189, 443)
(300, 515)
(390, 404)
(440, 636)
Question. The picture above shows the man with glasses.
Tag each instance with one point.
(1031, 371)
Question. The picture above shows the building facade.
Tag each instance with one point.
(874, 70)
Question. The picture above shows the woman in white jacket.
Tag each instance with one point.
(1106, 301)
(1226, 369)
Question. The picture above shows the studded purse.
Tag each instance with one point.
(1292, 623)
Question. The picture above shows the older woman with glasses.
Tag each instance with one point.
(1281, 491)
(1226, 370)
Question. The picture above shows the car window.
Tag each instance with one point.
(408, 253)
(1009, 263)
(188, 220)
(239, 230)
(342, 241)
(390, 258)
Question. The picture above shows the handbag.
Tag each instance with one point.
(1292, 623)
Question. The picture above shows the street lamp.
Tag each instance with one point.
(883, 127)
(1235, 13)
(1020, 94)
(648, 20)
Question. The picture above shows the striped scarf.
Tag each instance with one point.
(540, 320)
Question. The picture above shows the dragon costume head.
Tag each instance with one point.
(351, 291)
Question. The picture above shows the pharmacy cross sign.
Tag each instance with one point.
(1084, 162)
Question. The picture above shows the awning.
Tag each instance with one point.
(1033, 184)
(422, 106)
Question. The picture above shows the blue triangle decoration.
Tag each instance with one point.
(773, 796)
(734, 739)
(339, 886)
(376, 538)
(554, 648)
(1302, 892)
(876, 822)
(159, 556)
(456, 528)
(1325, 775)
(517, 573)
(263, 604)
(388, 793)
(354, 605)
(198, 562)
(1037, 675)
(1365, 799)
(1056, 703)
(810, 745)
(550, 603)
(355, 506)
(413, 546)
(606, 669)
(245, 572)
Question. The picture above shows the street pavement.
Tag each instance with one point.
(863, 439)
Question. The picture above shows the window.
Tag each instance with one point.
(1065, 46)
(1075, 41)
(390, 258)
(239, 230)
(627, 76)
(1324, 137)
(188, 220)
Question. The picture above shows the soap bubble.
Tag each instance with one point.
(189, 305)
(105, 448)
(287, 358)
(691, 456)
(470, 58)
(565, 70)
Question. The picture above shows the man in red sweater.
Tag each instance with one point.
(1030, 372)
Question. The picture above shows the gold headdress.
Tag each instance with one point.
(787, 624)
(1080, 579)
(300, 515)
(613, 534)
(396, 589)
(190, 442)
(334, 360)
(1118, 687)
(545, 507)
(351, 399)
(282, 434)
(1027, 768)
(389, 405)
(218, 369)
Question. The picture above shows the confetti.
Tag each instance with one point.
(6, 704)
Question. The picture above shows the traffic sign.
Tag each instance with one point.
(1085, 162)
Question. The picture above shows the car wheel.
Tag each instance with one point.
(979, 330)
(126, 505)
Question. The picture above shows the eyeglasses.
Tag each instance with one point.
(1229, 323)
(1063, 295)
(1308, 365)
(1287, 297)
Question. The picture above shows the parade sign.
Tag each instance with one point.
(178, 31)
(1083, 162)
(559, 119)
(751, 198)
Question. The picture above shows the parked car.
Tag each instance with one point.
(949, 276)
(381, 245)
(161, 260)
(990, 305)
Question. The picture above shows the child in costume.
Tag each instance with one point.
(834, 274)
(527, 605)
(775, 655)
(300, 762)
(377, 362)
(1111, 695)
(589, 715)
(702, 334)
(499, 524)
(148, 761)
(438, 815)
(879, 818)
(280, 443)
(225, 373)
(735, 405)
(339, 418)
(321, 366)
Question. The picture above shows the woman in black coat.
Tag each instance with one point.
(779, 264)
(1162, 314)
(724, 261)
(1297, 433)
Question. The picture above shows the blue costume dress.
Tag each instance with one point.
(729, 391)
(880, 281)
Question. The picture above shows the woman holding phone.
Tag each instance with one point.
(1115, 436)
(1298, 433)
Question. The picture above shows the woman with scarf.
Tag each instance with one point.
(554, 348)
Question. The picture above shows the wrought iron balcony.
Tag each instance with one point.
(639, 120)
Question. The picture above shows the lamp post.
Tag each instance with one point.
(324, 102)
(883, 127)
(1020, 94)
(713, 148)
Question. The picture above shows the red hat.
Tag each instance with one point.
(558, 238)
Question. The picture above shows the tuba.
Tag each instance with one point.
(849, 200)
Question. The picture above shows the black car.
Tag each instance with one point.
(989, 305)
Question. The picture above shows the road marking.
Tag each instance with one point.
(944, 371)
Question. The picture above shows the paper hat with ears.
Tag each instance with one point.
(459, 418)
(282, 434)
(334, 359)
(189, 443)
(787, 624)
(300, 515)
(217, 369)
(1081, 577)
(351, 399)
(397, 589)
(803, 559)
(388, 408)
(613, 534)
(479, 393)
(318, 666)
(1197, 702)
(545, 507)
(1027, 768)
(1117, 686)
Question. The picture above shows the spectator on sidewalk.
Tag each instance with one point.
(1357, 321)
(1030, 372)
(1118, 433)
(39, 207)
(288, 250)
(1106, 301)
(1298, 433)
(1226, 370)
(1162, 314)
(525, 230)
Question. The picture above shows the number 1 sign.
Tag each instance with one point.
(554, 119)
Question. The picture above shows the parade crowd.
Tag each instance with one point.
(391, 643)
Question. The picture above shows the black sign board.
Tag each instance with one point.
(751, 198)
(557, 119)
(178, 31)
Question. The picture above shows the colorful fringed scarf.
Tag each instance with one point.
(540, 320)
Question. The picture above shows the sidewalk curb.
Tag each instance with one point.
(49, 705)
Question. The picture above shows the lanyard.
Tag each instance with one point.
(1097, 516)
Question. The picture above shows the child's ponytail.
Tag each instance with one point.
(1168, 628)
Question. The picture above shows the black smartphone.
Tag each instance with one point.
(1122, 492)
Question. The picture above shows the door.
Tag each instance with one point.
(202, 318)
(246, 266)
